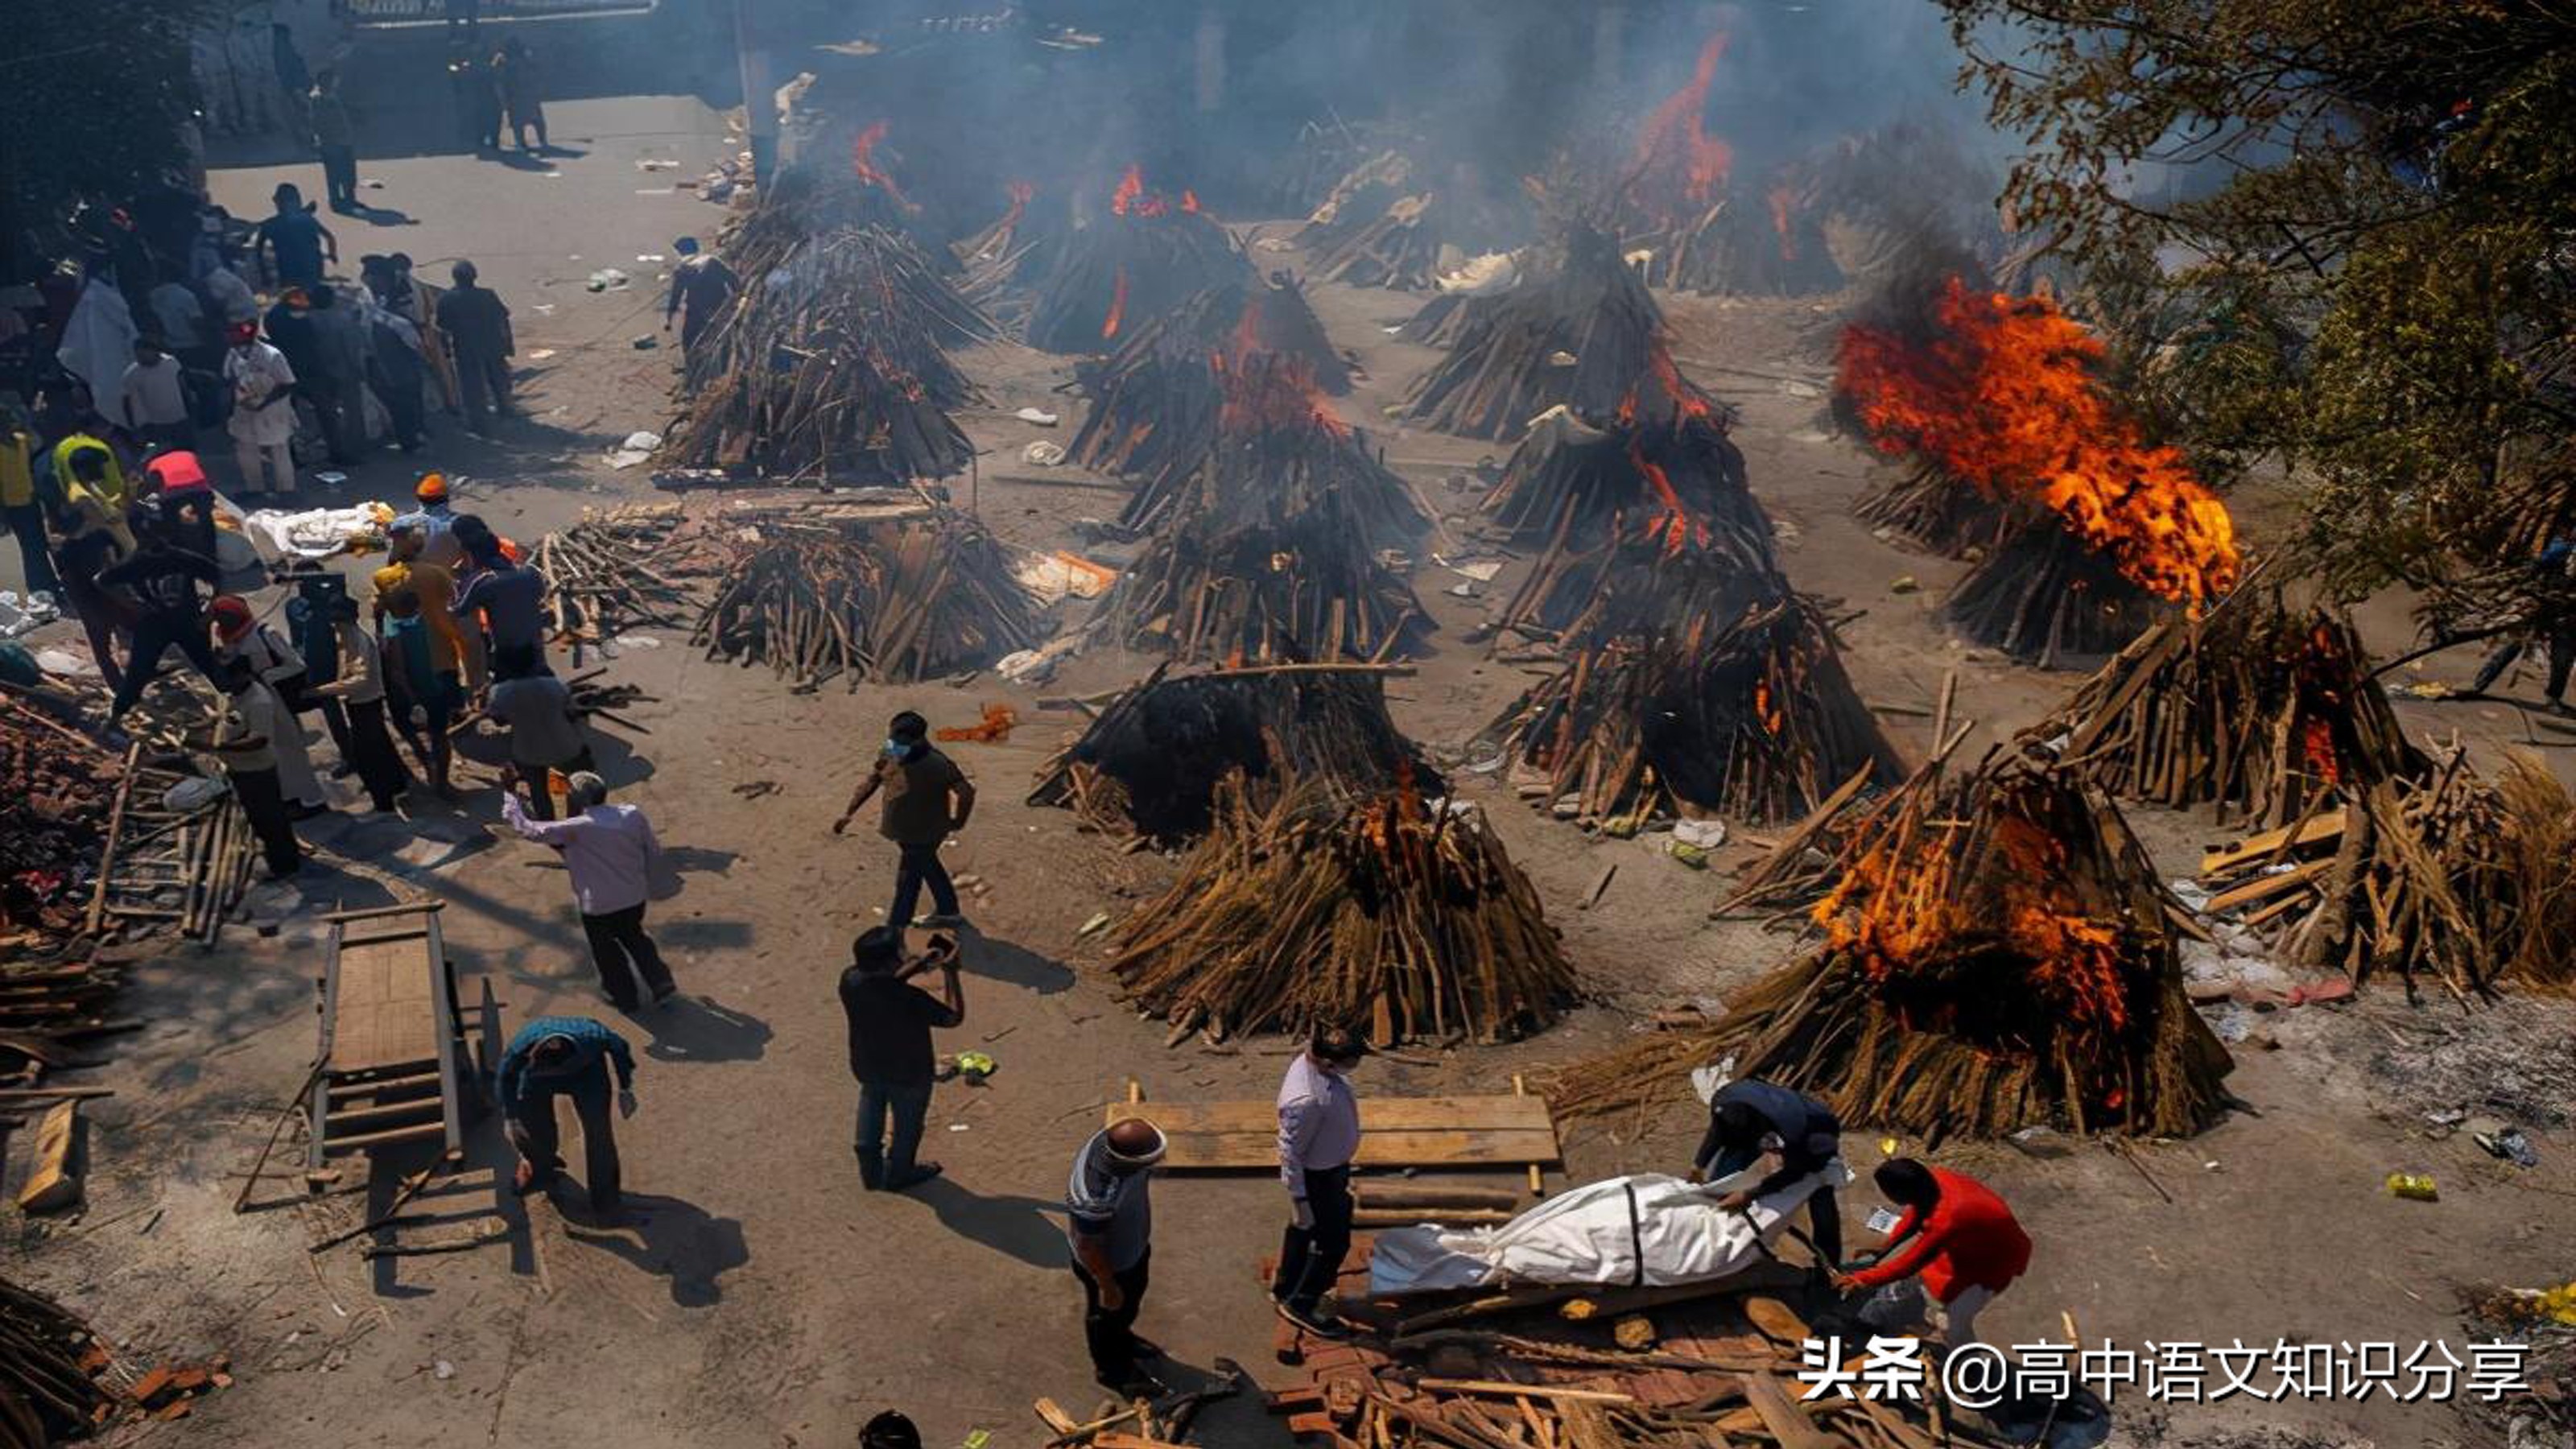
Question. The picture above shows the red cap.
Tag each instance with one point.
(177, 472)
(232, 616)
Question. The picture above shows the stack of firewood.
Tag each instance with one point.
(1390, 222)
(1152, 760)
(1930, 510)
(1004, 258)
(1997, 955)
(2046, 599)
(1583, 332)
(622, 568)
(1762, 239)
(58, 787)
(53, 1373)
(2251, 707)
(1376, 913)
(1144, 258)
(2452, 878)
(870, 594)
(833, 364)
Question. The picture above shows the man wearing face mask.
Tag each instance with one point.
(1319, 1134)
(926, 799)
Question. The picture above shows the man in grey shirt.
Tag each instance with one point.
(545, 735)
(1110, 1221)
(1319, 1134)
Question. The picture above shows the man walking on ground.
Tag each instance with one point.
(1319, 1134)
(152, 402)
(545, 734)
(1956, 1233)
(566, 1056)
(927, 798)
(250, 762)
(610, 851)
(335, 140)
(408, 544)
(263, 415)
(165, 579)
(1110, 1222)
(422, 697)
(341, 347)
(359, 692)
(477, 328)
(294, 242)
(701, 285)
(890, 1050)
(1748, 1119)
(507, 596)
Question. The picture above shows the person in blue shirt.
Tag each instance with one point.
(295, 241)
(566, 1056)
(2552, 625)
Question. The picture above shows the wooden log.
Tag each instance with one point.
(54, 1180)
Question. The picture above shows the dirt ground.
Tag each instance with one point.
(765, 1300)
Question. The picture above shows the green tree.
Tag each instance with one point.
(2380, 285)
(93, 100)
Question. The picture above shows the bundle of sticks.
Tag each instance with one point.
(1143, 259)
(1749, 716)
(53, 1367)
(1583, 332)
(57, 789)
(1323, 908)
(1152, 760)
(2250, 707)
(833, 365)
(1158, 401)
(1326, 152)
(870, 594)
(1997, 955)
(1932, 511)
(1376, 228)
(2450, 877)
(185, 868)
(622, 568)
(1002, 259)
(1765, 240)
(2048, 599)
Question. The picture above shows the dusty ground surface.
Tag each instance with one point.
(765, 1300)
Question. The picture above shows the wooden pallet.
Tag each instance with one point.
(1495, 1131)
(395, 1069)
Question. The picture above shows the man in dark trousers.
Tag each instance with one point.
(1109, 1219)
(545, 734)
(1319, 1134)
(890, 1051)
(1748, 1119)
(295, 243)
(171, 583)
(566, 1056)
(1956, 1234)
(609, 851)
(250, 762)
(476, 327)
(926, 799)
(701, 285)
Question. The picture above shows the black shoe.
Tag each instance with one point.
(921, 1172)
(872, 1171)
(664, 993)
(1314, 1324)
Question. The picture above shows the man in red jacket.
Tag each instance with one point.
(1954, 1232)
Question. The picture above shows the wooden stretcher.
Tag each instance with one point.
(394, 1065)
(1489, 1131)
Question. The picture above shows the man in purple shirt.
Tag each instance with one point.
(610, 852)
(1319, 1134)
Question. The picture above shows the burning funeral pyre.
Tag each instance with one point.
(1148, 255)
(1153, 759)
(1005, 259)
(2252, 707)
(2001, 395)
(832, 364)
(1694, 679)
(1283, 544)
(1997, 955)
(1157, 402)
(1583, 333)
(869, 593)
(1704, 229)
(1321, 907)
(1387, 224)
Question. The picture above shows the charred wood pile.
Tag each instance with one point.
(627, 567)
(1737, 243)
(1997, 955)
(2254, 708)
(1583, 333)
(61, 788)
(869, 594)
(1003, 261)
(55, 1373)
(1152, 761)
(1324, 152)
(1928, 509)
(2004, 395)
(1570, 484)
(2451, 878)
(833, 365)
(1150, 254)
(1371, 911)
(1158, 400)
(1388, 223)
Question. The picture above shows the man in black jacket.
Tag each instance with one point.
(165, 578)
(890, 1051)
(477, 328)
(1747, 1119)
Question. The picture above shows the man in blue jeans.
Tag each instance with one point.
(890, 1051)
(927, 799)
(566, 1056)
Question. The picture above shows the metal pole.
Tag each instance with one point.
(759, 89)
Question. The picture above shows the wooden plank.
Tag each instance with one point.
(1395, 1132)
(2268, 886)
(54, 1182)
(1217, 1152)
(1781, 1416)
(1377, 1114)
(423, 1132)
(2315, 828)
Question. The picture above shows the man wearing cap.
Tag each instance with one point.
(359, 691)
(1319, 1134)
(263, 416)
(240, 636)
(566, 1056)
(609, 851)
(1110, 1222)
(179, 480)
(701, 285)
(477, 328)
(435, 517)
(891, 1053)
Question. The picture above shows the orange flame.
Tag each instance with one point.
(1117, 305)
(1264, 389)
(1672, 524)
(2006, 398)
(1784, 201)
(1019, 192)
(1130, 186)
(1675, 153)
(1132, 199)
(1666, 375)
(863, 164)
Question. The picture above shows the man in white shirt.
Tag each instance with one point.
(152, 399)
(263, 419)
(251, 764)
(1319, 1134)
(609, 851)
(361, 689)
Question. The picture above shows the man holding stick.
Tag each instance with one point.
(890, 1049)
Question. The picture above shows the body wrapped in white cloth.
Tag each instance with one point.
(1648, 1230)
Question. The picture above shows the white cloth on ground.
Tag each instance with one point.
(1675, 1233)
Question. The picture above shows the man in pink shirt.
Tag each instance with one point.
(610, 852)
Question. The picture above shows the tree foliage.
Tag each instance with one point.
(94, 98)
(2379, 292)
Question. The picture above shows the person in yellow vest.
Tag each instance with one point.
(18, 505)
